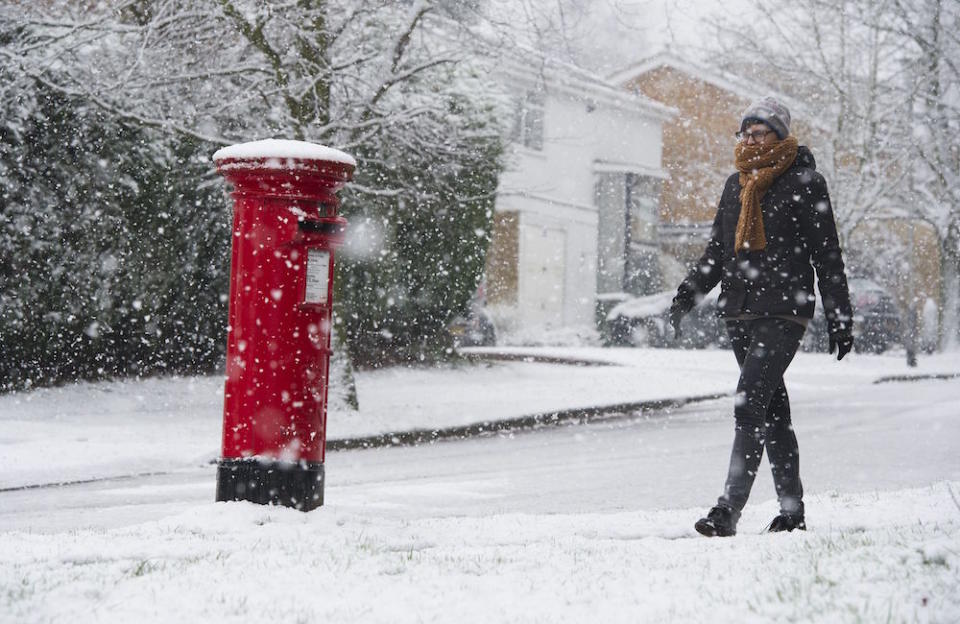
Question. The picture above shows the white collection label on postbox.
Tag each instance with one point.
(318, 276)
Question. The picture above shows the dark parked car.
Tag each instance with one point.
(645, 321)
(876, 321)
(473, 329)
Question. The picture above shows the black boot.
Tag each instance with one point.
(721, 521)
(785, 522)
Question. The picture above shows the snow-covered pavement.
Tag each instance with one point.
(87, 431)
(574, 523)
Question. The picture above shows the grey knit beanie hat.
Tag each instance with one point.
(770, 111)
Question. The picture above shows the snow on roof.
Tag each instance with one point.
(283, 149)
(529, 64)
(526, 64)
(718, 78)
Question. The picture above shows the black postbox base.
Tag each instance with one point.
(269, 482)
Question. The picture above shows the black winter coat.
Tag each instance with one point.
(801, 236)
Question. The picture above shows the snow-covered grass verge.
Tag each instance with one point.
(880, 557)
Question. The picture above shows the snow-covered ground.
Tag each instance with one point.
(575, 523)
(886, 557)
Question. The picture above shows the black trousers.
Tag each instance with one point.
(764, 349)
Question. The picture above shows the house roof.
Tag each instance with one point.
(737, 85)
(526, 64)
(530, 65)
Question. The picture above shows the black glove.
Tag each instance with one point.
(842, 343)
(676, 315)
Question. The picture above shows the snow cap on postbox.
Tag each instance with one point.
(282, 150)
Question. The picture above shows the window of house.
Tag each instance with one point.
(643, 275)
(628, 246)
(644, 208)
(611, 232)
(528, 122)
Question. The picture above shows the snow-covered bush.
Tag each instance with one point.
(113, 253)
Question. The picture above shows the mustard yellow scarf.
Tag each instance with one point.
(759, 165)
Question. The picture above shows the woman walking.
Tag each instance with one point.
(774, 227)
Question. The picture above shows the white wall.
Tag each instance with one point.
(554, 189)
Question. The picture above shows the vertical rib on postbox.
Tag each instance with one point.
(285, 230)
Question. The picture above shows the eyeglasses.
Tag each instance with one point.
(756, 135)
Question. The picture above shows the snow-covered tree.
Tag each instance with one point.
(825, 55)
(930, 30)
(881, 77)
(366, 76)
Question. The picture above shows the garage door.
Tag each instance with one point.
(542, 271)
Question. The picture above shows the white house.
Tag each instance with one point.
(577, 208)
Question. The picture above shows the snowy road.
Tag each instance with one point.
(885, 437)
(901, 435)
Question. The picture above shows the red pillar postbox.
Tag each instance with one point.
(285, 231)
